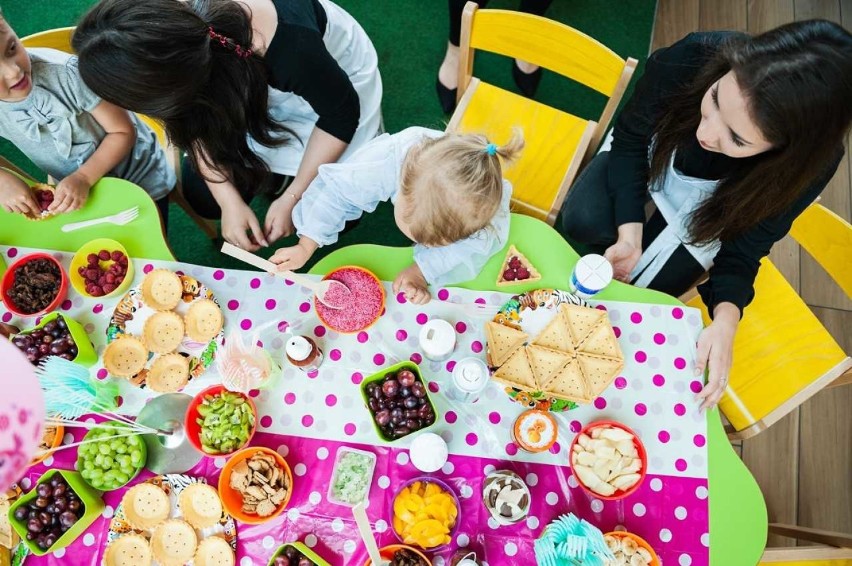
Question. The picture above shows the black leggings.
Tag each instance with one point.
(456, 7)
(198, 195)
(587, 221)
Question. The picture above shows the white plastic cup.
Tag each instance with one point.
(591, 276)
(470, 378)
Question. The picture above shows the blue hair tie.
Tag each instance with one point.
(491, 149)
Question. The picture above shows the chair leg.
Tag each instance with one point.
(207, 226)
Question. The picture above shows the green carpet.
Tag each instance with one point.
(410, 37)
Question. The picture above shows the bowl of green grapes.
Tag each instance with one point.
(111, 457)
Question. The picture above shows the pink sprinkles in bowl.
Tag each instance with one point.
(360, 309)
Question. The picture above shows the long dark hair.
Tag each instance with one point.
(157, 57)
(797, 80)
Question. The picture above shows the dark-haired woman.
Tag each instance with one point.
(732, 137)
(252, 90)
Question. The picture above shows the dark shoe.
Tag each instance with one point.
(527, 82)
(446, 96)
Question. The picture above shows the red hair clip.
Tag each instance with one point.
(229, 43)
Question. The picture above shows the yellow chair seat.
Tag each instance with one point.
(552, 139)
(779, 342)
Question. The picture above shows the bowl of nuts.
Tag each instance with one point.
(34, 285)
(255, 485)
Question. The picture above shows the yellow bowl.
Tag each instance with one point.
(93, 247)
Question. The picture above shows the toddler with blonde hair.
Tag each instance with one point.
(449, 197)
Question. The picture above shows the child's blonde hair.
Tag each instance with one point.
(453, 185)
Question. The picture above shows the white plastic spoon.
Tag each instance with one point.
(367, 535)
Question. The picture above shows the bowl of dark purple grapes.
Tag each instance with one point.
(57, 510)
(398, 400)
(58, 336)
(296, 554)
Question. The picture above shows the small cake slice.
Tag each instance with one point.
(517, 269)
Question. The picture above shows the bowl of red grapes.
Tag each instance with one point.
(398, 400)
(51, 338)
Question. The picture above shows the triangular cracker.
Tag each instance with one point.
(517, 371)
(601, 342)
(556, 335)
(525, 263)
(545, 362)
(569, 383)
(581, 320)
(599, 371)
(502, 342)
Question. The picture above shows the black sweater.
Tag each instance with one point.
(668, 71)
(299, 62)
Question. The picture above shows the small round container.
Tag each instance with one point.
(591, 275)
(640, 448)
(445, 488)
(528, 444)
(94, 247)
(54, 444)
(437, 340)
(387, 552)
(9, 277)
(193, 429)
(231, 498)
(470, 378)
(655, 560)
(326, 314)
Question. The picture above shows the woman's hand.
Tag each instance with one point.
(716, 350)
(71, 193)
(16, 196)
(413, 284)
(279, 218)
(294, 257)
(625, 252)
(240, 226)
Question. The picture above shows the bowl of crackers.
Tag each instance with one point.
(169, 529)
(255, 485)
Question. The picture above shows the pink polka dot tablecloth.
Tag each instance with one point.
(307, 418)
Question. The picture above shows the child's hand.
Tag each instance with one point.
(279, 218)
(293, 258)
(71, 193)
(411, 282)
(16, 196)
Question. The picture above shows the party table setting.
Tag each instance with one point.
(210, 416)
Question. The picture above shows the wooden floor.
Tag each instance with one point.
(803, 463)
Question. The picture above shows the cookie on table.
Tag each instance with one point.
(168, 373)
(204, 320)
(162, 289)
(145, 506)
(200, 505)
(128, 550)
(125, 356)
(214, 551)
(174, 543)
(163, 332)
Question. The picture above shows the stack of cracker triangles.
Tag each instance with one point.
(575, 357)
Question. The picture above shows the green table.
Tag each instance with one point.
(738, 520)
(143, 238)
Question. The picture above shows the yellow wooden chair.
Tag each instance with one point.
(782, 353)
(60, 39)
(557, 143)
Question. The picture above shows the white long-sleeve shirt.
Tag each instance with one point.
(343, 191)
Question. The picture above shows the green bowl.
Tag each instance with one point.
(142, 448)
(86, 355)
(380, 376)
(93, 505)
(309, 554)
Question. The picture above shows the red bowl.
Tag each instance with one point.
(640, 448)
(193, 429)
(9, 277)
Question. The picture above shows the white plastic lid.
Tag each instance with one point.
(437, 337)
(470, 374)
(593, 272)
(428, 452)
(298, 348)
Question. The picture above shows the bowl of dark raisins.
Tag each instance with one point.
(55, 512)
(34, 285)
(402, 555)
(398, 400)
(296, 554)
(56, 335)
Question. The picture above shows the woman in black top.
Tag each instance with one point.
(732, 137)
(247, 88)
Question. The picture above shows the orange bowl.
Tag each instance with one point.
(231, 498)
(387, 552)
(54, 444)
(640, 448)
(655, 560)
(193, 429)
(9, 278)
(323, 311)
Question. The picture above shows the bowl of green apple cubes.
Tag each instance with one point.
(111, 457)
